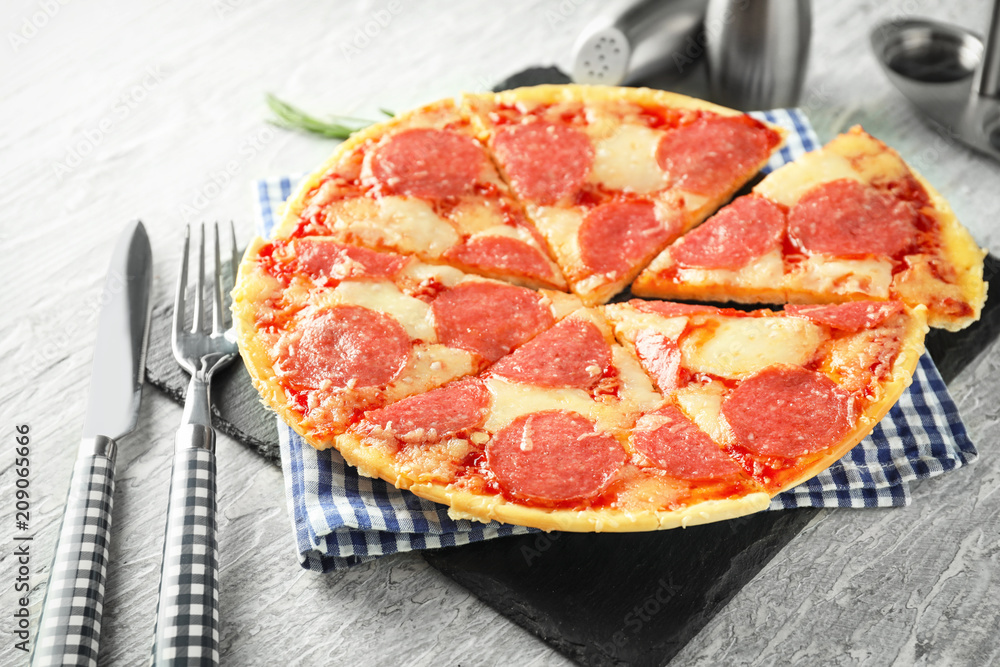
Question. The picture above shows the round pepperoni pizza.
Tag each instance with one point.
(431, 306)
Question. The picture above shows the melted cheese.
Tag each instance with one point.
(741, 346)
(560, 303)
(415, 273)
(511, 400)
(702, 403)
(766, 272)
(409, 224)
(629, 322)
(509, 231)
(787, 185)
(560, 228)
(626, 160)
(827, 274)
(384, 297)
(430, 366)
(870, 157)
(473, 216)
(637, 392)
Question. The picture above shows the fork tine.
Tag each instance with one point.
(199, 290)
(233, 268)
(178, 325)
(217, 298)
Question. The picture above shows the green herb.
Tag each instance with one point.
(338, 127)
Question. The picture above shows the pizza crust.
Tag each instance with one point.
(903, 368)
(425, 116)
(251, 289)
(371, 461)
(965, 255)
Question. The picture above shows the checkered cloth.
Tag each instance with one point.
(341, 519)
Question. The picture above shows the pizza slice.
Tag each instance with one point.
(610, 176)
(850, 221)
(783, 394)
(565, 433)
(328, 330)
(422, 184)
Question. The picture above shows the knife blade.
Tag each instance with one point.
(70, 626)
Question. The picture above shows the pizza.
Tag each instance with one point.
(648, 415)
(849, 221)
(610, 176)
(434, 306)
(421, 184)
(330, 330)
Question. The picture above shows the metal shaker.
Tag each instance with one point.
(757, 51)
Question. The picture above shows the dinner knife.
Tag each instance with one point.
(69, 630)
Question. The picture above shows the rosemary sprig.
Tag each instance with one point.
(339, 127)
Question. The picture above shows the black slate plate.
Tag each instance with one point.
(608, 599)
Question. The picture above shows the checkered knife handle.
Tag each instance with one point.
(69, 630)
(187, 613)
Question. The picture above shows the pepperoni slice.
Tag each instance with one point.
(489, 319)
(788, 411)
(852, 316)
(845, 217)
(505, 254)
(709, 155)
(614, 236)
(428, 163)
(438, 414)
(661, 358)
(336, 260)
(573, 353)
(671, 309)
(347, 346)
(677, 446)
(734, 237)
(544, 162)
(552, 457)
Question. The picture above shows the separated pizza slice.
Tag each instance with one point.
(850, 221)
(328, 330)
(422, 184)
(565, 433)
(610, 176)
(784, 394)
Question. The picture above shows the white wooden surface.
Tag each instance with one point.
(155, 110)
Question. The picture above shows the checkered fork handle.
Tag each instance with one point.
(187, 614)
(69, 631)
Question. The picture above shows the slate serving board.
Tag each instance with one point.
(599, 599)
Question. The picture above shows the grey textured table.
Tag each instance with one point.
(154, 109)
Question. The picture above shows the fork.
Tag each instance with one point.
(187, 610)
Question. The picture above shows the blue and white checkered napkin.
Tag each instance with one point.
(342, 519)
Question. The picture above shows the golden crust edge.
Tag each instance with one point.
(964, 254)
(254, 354)
(296, 202)
(475, 507)
(902, 375)
(961, 249)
